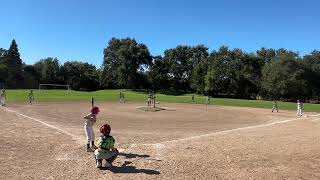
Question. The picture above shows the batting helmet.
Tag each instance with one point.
(105, 129)
(95, 110)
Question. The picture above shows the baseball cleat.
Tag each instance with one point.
(90, 150)
(99, 164)
(107, 165)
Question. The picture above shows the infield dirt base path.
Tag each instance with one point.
(157, 145)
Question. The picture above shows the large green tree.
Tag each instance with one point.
(80, 76)
(30, 77)
(312, 63)
(285, 79)
(49, 70)
(159, 74)
(13, 63)
(3, 67)
(233, 72)
(124, 63)
(181, 61)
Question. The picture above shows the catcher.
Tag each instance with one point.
(106, 148)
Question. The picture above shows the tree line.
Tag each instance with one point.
(268, 73)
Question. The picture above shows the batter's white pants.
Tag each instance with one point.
(299, 112)
(89, 133)
(2, 101)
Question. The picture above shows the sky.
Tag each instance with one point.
(81, 29)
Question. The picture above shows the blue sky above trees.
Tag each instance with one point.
(80, 29)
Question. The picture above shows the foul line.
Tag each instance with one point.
(40, 121)
(161, 144)
(314, 120)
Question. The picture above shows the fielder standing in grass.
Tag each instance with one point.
(123, 98)
(3, 97)
(120, 97)
(299, 108)
(207, 100)
(31, 97)
(192, 99)
(274, 106)
(91, 118)
(149, 99)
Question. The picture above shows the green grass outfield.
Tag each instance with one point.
(113, 95)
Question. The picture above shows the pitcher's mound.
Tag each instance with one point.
(151, 109)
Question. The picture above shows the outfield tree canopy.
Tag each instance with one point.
(124, 63)
(269, 73)
(80, 76)
(49, 71)
(13, 66)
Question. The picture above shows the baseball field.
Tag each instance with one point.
(229, 139)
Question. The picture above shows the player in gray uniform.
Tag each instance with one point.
(299, 108)
(3, 97)
(274, 106)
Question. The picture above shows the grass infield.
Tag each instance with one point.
(113, 95)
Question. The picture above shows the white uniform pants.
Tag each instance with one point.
(299, 112)
(2, 101)
(89, 133)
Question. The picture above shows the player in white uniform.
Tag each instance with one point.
(90, 120)
(299, 108)
(149, 99)
(3, 97)
(207, 100)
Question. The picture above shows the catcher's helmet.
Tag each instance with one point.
(105, 129)
(95, 110)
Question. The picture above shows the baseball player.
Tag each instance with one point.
(123, 98)
(31, 97)
(106, 148)
(3, 97)
(149, 99)
(120, 97)
(192, 98)
(299, 108)
(90, 119)
(274, 106)
(207, 100)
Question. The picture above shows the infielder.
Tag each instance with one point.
(90, 120)
(274, 106)
(299, 108)
(3, 97)
(31, 97)
(149, 99)
(120, 97)
(207, 100)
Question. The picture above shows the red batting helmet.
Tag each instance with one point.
(95, 110)
(105, 129)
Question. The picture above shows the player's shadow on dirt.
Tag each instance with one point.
(124, 168)
(132, 155)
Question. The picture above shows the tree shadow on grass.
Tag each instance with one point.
(124, 168)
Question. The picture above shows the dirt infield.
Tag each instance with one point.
(47, 141)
